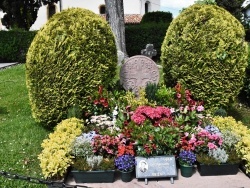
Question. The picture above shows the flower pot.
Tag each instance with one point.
(186, 171)
(102, 176)
(127, 176)
(214, 170)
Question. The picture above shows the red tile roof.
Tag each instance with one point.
(129, 18)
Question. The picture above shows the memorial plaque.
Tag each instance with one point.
(137, 72)
(156, 167)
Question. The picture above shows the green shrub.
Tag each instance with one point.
(204, 50)
(138, 36)
(68, 59)
(157, 16)
(240, 130)
(244, 95)
(56, 154)
(14, 45)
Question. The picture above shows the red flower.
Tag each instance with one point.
(100, 90)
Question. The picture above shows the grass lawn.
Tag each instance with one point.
(21, 136)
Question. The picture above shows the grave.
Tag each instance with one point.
(149, 51)
(137, 71)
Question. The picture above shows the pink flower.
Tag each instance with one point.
(192, 108)
(211, 145)
(154, 114)
(200, 108)
(192, 139)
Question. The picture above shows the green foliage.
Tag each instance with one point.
(159, 140)
(14, 45)
(82, 164)
(134, 101)
(204, 50)
(151, 90)
(19, 13)
(68, 59)
(220, 112)
(156, 17)
(244, 95)
(75, 111)
(233, 6)
(165, 96)
(55, 157)
(138, 36)
(242, 133)
(206, 2)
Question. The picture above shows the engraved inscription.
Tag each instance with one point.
(137, 72)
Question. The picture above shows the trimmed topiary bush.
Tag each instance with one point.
(68, 59)
(204, 50)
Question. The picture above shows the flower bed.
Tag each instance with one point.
(119, 128)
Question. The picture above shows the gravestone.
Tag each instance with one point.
(149, 51)
(137, 72)
(156, 167)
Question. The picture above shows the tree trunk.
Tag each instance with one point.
(115, 17)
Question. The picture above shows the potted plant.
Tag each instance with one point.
(89, 165)
(125, 164)
(216, 153)
(186, 162)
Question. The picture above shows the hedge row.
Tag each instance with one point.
(14, 45)
(137, 36)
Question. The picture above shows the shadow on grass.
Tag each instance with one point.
(3, 110)
(240, 114)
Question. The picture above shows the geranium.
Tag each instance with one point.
(105, 145)
(110, 146)
(99, 103)
(125, 163)
(125, 147)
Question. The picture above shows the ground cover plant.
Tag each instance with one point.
(21, 137)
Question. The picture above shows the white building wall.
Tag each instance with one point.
(130, 7)
(87, 4)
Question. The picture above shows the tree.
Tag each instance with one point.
(115, 17)
(232, 6)
(21, 13)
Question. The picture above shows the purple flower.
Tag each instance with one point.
(212, 129)
(187, 158)
(125, 163)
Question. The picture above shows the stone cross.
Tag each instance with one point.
(137, 72)
(149, 51)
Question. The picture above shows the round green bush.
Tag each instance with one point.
(204, 50)
(68, 59)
